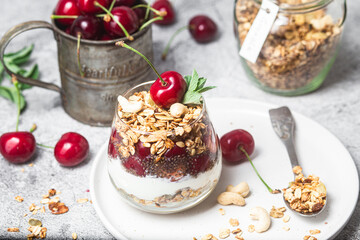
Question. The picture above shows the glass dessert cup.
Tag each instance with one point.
(159, 163)
(301, 47)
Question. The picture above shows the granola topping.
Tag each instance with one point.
(297, 49)
(306, 194)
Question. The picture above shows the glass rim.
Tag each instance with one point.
(172, 132)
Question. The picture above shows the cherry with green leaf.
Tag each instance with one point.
(19, 146)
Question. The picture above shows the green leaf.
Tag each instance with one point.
(191, 97)
(201, 83)
(1, 72)
(19, 57)
(194, 81)
(206, 89)
(187, 80)
(10, 94)
(32, 73)
(15, 68)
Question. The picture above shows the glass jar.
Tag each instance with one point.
(160, 163)
(301, 47)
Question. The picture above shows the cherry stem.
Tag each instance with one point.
(78, 54)
(257, 173)
(149, 22)
(122, 44)
(33, 128)
(157, 12)
(112, 5)
(167, 48)
(16, 84)
(147, 11)
(115, 20)
(42, 145)
(63, 16)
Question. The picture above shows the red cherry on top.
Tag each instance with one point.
(127, 17)
(88, 6)
(88, 26)
(165, 5)
(170, 92)
(17, 147)
(231, 143)
(67, 7)
(128, 3)
(71, 149)
(202, 28)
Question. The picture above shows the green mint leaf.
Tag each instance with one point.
(32, 73)
(1, 72)
(19, 57)
(194, 81)
(201, 83)
(15, 68)
(187, 80)
(206, 89)
(11, 94)
(192, 98)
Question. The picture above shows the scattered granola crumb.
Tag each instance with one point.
(234, 222)
(286, 228)
(224, 233)
(286, 219)
(236, 231)
(326, 222)
(307, 237)
(239, 237)
(37, 232)
(42, 209)
(58, 208)
(194, 238)
(74, 236)
(315, 231)
(32, 207)
(31, 165)
(22, 169)
(297, 170)
(82, 200)
(19, 199)
(209, 237)
(277, 212)
(13, 230)
(52, 192)
(25, 214)
(45, 200)
(251, 228)
(221, 211)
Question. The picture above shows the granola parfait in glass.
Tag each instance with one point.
(163, 154)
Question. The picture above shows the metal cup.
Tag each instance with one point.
(108, 70)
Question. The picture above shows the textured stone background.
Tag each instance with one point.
(336, 105)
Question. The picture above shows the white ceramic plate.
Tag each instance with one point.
(319, 153)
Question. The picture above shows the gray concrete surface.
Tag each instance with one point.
(336, 105)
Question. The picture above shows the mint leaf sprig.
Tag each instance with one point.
(196, 86)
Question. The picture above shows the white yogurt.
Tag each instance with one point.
(150, 187)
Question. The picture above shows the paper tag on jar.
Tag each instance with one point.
(259, 31)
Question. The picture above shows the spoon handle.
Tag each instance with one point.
(284, 125)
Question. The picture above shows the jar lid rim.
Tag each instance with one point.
(302, 7)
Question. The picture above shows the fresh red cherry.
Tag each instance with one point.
(199, 163)
(164, 6)
(67, 8)
(106, 37)
(134, 165)
(88, 6)
(141, 150)
(232, 144)
(88, 26)
(128, 3)
(71, 149)
(127, 17)
(202, 28)
(17, 147)
(175, 151)
(169, 90)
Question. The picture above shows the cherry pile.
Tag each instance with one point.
(19, 147)
(105, 19)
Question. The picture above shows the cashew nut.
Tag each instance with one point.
(130, 106)
(178, 109)
(242, 189)
(227, 198)
(263, 217)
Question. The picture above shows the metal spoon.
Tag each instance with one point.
(284, 125)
